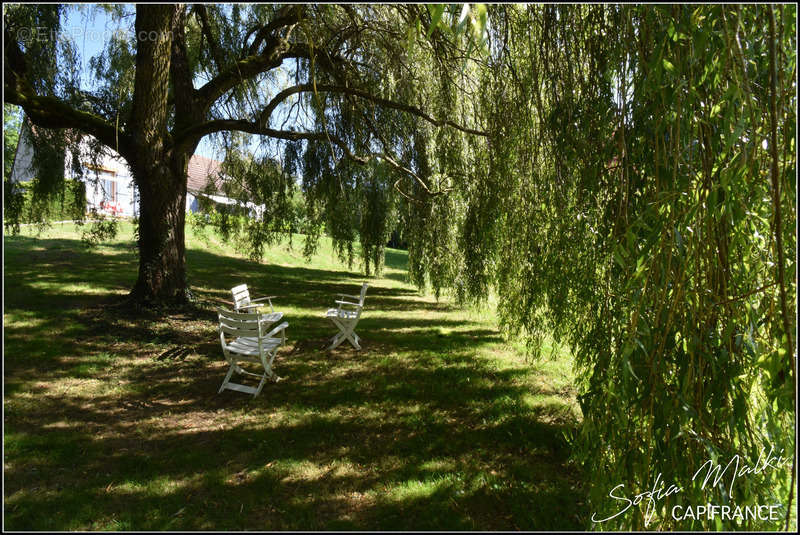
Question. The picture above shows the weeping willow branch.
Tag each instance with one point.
(748, 294)
(290, 135)
(265, 114)
(391, 161)
(776, 202)
(404, 194)
(51, 112)
(776, 191)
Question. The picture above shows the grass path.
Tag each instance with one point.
(112, 422)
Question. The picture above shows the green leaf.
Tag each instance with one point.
(618, 257)
(679, 240)
(480, 18)
(463, 19)
(630, 369)
(735, 135)
(437, 10)
(712, 199)
(668, 66)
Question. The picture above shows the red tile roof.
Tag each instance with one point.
(200, 169)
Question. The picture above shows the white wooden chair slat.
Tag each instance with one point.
(244, 338)
(242, 300)
(248, 346)
(234, 330)
(346, 319)
(237, 326)
(234, 315)
(345, 314)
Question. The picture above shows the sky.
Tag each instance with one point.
(88, 28)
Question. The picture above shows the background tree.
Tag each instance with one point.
(11, 126)
(12, 200)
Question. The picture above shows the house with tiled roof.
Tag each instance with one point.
(200, 173)
(109, 185)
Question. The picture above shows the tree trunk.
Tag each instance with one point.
(158, 169)
(162, 214)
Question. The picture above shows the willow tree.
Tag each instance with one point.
(181, 73)
(647, 185)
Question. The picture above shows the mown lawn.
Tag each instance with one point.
(113, 421)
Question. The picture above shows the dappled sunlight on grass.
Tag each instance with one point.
(113, 421)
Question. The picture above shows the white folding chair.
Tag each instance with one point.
(244, 338)
(345, 316)
(243, 303)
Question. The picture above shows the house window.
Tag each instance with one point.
(106, 187)
(109, 191)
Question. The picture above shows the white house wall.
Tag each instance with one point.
(22, 170)
(111, 168)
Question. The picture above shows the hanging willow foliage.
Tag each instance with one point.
(634, 198)
(645, 182)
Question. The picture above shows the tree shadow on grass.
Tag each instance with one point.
(412, 447)
(117, 424)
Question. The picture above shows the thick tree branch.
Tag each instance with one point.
(287, 16)
(205, 28)
(239, 71)
(261, 125)
(50, 112)
(275, 51)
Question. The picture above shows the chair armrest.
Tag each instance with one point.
(347, 303)
(271, 317)
(268, 299)
(248, 306)
(277, 329)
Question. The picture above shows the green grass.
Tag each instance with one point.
(112, 421)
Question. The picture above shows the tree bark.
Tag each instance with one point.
(162, 253)
(157, 168)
